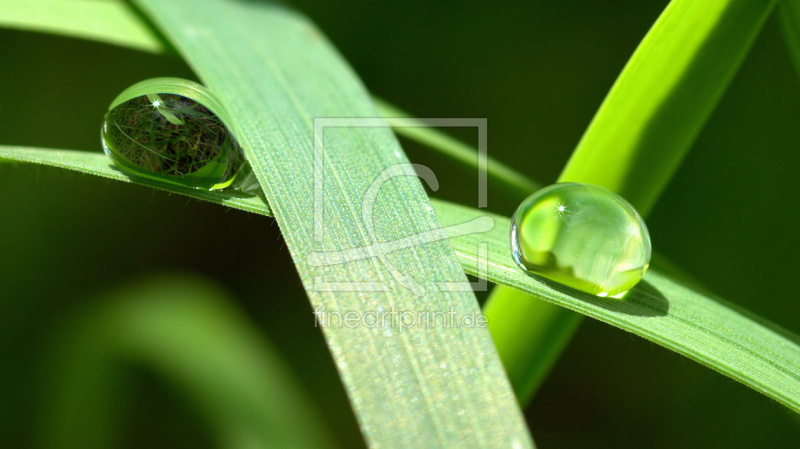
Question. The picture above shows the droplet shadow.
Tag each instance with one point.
(642, 300)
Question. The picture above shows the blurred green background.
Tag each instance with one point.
(538, 71)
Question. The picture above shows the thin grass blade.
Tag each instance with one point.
(707, 329)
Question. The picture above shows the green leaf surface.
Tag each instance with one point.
(275, 74)
(702, 327)
(188, 333)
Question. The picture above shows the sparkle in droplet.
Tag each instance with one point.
(582, 236)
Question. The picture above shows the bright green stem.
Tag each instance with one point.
(635, 142)
(545, 327)
(664, 96)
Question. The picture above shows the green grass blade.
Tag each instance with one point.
(99, 164)
(109, 21)
(635, 142)
(188, 333)
(704, 328)
(709, 330)
(275, 73)
(789, 15)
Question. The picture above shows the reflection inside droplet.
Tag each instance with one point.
(172, 138)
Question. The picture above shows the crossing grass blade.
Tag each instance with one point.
(705, 328)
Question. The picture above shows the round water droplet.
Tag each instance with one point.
(170, 130)
(583, 236)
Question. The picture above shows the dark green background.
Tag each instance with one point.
(538, 72)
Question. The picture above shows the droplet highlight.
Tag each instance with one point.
(169, 130)
(582, 236)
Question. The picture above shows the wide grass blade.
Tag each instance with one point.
(707, 329)
(186, 332)
(275, 74)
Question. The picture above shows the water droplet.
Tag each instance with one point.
(583, 236)
(170, 130)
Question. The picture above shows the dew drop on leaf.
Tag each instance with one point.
(171, 138)
(582, 236)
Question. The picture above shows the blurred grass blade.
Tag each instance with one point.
(416, 130)
(789, 17)
(188, 333)
(108, 21)
(634, 144)
(711, 331)
(275, 74)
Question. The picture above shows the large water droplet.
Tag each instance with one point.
(583, 236)
(158, 131)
